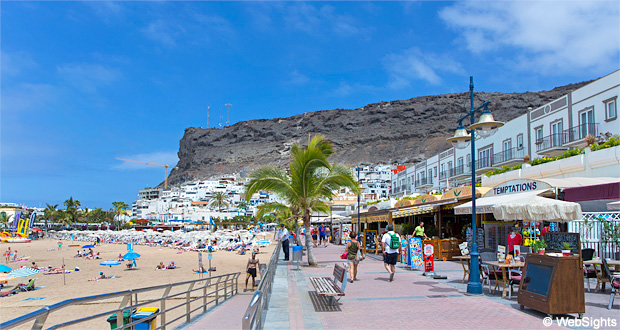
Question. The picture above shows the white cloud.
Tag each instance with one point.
(413, 64)
(88, 77)
(27, 97)
(548, 36)
(160, 157)
(298, 78)
(311, 19)
(163, 32)
(107, 10)
(15, 63)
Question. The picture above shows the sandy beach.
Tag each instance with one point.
(45, 253)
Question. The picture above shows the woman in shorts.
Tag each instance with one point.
(352, 247)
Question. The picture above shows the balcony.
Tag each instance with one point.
(457, 172)
(424, 182)
(484, 165)
(509, 157)
(556, 144)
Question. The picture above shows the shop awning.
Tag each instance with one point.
(422, 209)
(606, 191)
(485, 204)
(537, 208)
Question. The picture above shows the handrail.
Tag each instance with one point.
(253, 317)
(229, 281)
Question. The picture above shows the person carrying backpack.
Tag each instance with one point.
(390, 242)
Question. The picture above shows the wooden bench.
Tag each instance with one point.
(328, 287)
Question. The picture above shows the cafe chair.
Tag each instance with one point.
(487, 272)
(588, 270)
(614, 282)
(514, 278)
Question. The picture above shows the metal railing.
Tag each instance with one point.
(208, 288)
(508, 155)
(558, 140)
(255, 313)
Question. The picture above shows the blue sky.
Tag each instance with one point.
(86, 82)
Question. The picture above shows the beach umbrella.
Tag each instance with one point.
(4, 269)
(6, 277)
(131, 255)
(24, 272)
(110, 263)
(88, 246)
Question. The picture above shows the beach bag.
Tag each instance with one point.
(344, 255)
(360, 256)
(394, 241)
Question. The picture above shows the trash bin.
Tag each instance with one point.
(126, 317)
(297, 252)
(146, 314)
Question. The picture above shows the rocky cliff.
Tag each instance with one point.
(394, 132)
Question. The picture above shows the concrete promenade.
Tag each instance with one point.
(412, 301)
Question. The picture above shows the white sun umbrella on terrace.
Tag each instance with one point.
(23, 272)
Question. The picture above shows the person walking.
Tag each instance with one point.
(390, 242)
(313, 234)
(252, 268)
(284, 235)
(419, 231)
(353, 246)
(322, 235)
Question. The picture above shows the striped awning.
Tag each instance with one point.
(423, 209)
(24, 272)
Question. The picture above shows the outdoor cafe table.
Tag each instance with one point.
(465, 268)
(503, 266)
(598, 267)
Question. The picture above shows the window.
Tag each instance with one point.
(485, 157)
(538, 134)
(459, 163)
(520, 141)
(611, 110)
(556, 134)
(586, 123)
(443, 168)
(507, 150)
(435, 169)
(430, 176)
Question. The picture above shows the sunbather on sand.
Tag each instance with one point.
(171, 265)
(200, 269)
(100, 277)
(160, 266)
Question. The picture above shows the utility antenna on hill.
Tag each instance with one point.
(221, 116)
(228, 105)
(208, 115)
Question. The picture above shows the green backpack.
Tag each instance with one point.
(394, 241)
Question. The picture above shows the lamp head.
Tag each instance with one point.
(486, 126)
(461, 138)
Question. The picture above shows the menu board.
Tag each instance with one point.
(415, 252)
(346, 230)
(404, 251)
(555, 241)
(369, 237)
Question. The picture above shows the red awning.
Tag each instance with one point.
(606, 191)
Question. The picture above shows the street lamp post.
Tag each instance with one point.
(359, 229)
(486, 127)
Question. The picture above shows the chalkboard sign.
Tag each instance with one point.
(554, 241)
(537, 279)
(369, 237)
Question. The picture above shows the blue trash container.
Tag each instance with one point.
(297, 252)
(147, 324)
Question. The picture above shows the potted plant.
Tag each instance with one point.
(539, 246)
(565, 249)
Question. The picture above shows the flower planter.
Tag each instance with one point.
(542, 252)
(566, 253)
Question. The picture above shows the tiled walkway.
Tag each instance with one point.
(411, 301)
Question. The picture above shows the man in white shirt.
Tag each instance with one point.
(390, 252)
(284, 234)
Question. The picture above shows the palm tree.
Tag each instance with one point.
(308, 185)
(85, 212)
(119, 207)
(49, 213)
(72, 207)
(4, 219)
(282, 214)
(65, 217)
(219, 200)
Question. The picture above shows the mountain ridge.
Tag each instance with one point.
(388, 132)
